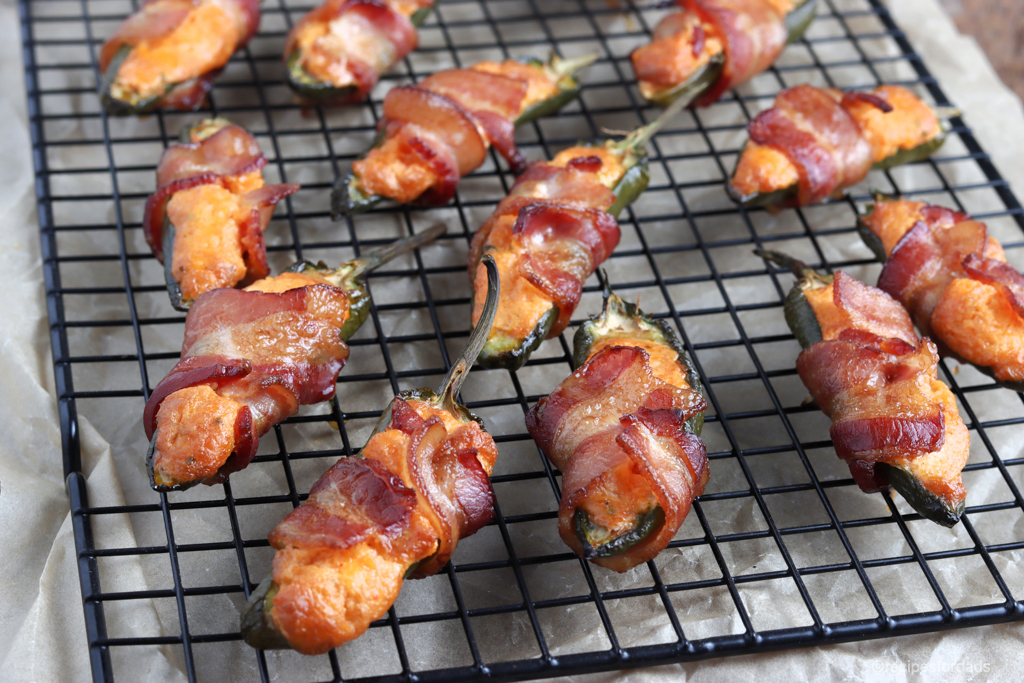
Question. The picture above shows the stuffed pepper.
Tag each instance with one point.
(711, 46)
(205, 221)
(624, 429)
(396, 510)
(167, 54)
(434, 133)
(814, 143)
(953, 278)
(250, 358)
(555, 227)
(337, 52)
(893, 422)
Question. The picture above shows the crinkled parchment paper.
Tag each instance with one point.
(42, 634)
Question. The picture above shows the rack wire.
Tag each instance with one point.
(780, 517)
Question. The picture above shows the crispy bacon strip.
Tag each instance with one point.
(548, 236)
(249, 359)
(439, 130)
(878, 382)
(350, 43)
(615, 411)
(750, 33)
(420, 486)
(231, 159)
(953, 278)
(820, 137)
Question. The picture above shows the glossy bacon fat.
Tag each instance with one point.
(954, 279)
(617, 429)
(821, 141)
(548, 236)
(420, 485)
(249, 359)
(348, 44)
(210, 192)
(168, 53)
(438, 131)
(878, 382)
(751, 34)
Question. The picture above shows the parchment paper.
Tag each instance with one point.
(42, 635)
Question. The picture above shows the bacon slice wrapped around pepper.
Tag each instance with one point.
(434, 133)
(893, 422)
(953, 278)
(399, 509)
(338, 51)
(250, 358)
(814, 143)
(209, 211)
(624, 429)
(167, 54)
(711, 46)
(552, 231)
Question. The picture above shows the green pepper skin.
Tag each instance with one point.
(620, 319)
(797, 21)
(807, 330)
(632, 184)
(173, 288)
(873, 241)
(568, 89)
(509, 353)
(913, 155)
(257, 628)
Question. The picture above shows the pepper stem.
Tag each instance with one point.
(374, 259)
(642, 135)
(794, 265)
(457, 374)
(567, 67)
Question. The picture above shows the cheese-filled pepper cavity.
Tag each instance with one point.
(206, 219)
(167, 54)
(624, 429)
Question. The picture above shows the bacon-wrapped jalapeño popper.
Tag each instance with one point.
(711, 46)
(953, 278)
(167, 54)
(338, 51)
(813, 143)
(552, 231)
(893, 422)
(250, 358)
(434, 133)
(396, 510)
(624, 429)
(205, 221)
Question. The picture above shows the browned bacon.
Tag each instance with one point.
(822, 139)
(611, 411)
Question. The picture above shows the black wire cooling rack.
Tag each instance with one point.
(780, 518)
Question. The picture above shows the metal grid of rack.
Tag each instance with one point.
(778, 494)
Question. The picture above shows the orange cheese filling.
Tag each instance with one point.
(669, 60)
(616, 499)
(204, 41)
